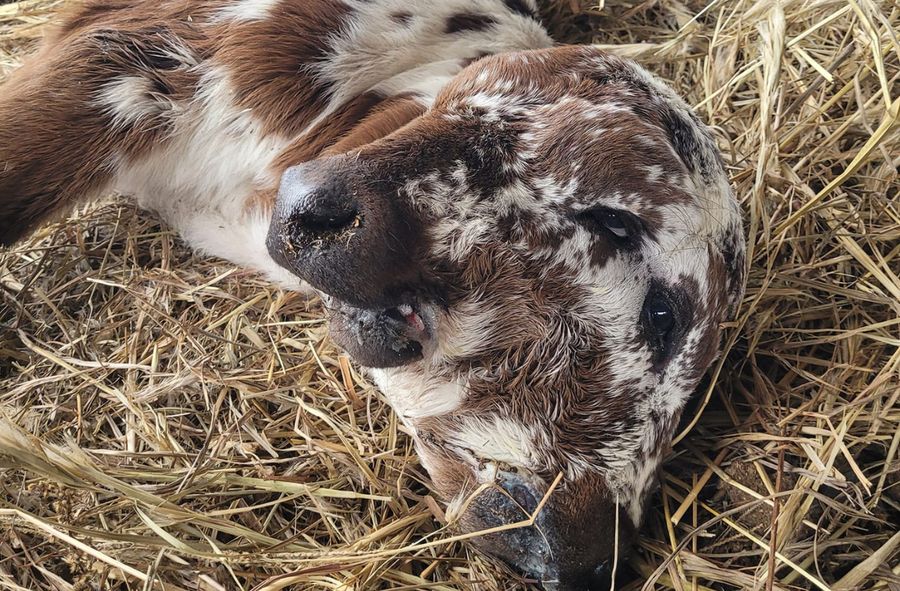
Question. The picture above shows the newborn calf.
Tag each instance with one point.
(531, 246)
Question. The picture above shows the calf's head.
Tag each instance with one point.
(535, 270)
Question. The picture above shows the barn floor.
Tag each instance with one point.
(170, 422)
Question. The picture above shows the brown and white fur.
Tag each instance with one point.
(532, 246)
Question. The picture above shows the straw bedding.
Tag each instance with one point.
(170, 422)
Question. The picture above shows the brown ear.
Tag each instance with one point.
(389, 116)
(358, 122)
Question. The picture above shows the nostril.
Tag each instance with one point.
(324, 212)
(523, 496)
(521, 489)
(326, 221)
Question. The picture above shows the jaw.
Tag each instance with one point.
(386, 337)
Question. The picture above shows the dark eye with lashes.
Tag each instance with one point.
(660, 321)
(660, 316)
(621, 226)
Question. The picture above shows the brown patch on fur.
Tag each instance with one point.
(90, 15)
(461, 22)
(544, 78)
(262, 200)
(612, 150)
(52, 155)
(269, 62)
(471, 60)
(402, 17)
(57, 144)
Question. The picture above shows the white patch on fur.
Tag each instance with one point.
(456, 505)
(654, 173)
(633, 483)
(494, 104)
(200, 178)
(555, 190)
(246, 11)
(417, 396)
(496, 439)
(130, 99)
(373, 47)
(424, 81)
(372, 52)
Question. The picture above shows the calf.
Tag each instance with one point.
(531, 246)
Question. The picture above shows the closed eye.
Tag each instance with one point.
(621, 226)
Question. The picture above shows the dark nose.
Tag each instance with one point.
(322, 213)
(347, 235)
(574, 537)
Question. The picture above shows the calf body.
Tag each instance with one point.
(196, 108)
(530, 247)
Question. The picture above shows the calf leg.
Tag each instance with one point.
(76, 113)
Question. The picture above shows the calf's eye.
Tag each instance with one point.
(665, 319)
(660, 316)
(613, 222)
(621, 226)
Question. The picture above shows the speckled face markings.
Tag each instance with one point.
(546, 326)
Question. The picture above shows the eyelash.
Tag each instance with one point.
(600, 219)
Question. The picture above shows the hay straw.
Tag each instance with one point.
(175, 423)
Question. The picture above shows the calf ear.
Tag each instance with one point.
(734, 257)
(387, 117)
(360, 121)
